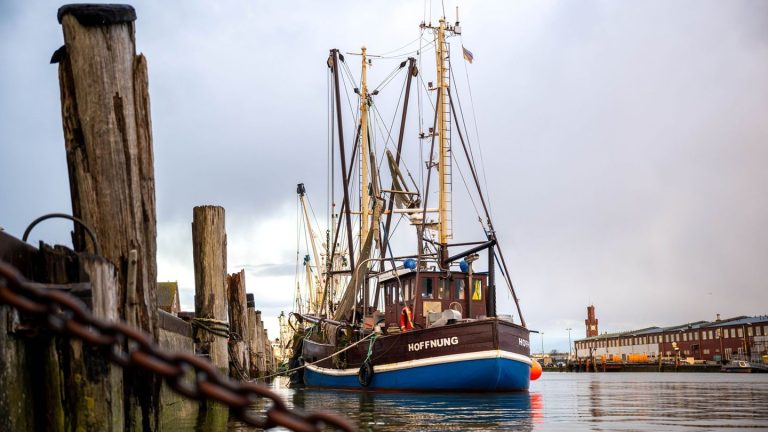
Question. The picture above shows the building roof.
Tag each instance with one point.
(740, 320)
(166, 292)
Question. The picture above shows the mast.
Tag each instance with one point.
(444, 146)
(365, 194)
(315, 289)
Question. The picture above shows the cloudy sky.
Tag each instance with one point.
(625, 143)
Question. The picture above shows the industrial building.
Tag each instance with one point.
(700, 341)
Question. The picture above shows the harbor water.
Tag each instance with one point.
(570, 402)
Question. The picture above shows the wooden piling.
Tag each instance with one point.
(253, 357)
(238, 325)
(108, 140)
(209, 248)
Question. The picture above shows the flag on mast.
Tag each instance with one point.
(467, 54)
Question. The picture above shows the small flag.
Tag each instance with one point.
(467, 54)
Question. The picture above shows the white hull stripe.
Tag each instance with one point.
(452, 358)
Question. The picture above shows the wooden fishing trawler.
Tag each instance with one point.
(423, 322)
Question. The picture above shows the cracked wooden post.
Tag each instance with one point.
(209, 249)
(108, 140)
(238, 322)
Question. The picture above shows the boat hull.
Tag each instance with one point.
(487, 355)
(494, 374)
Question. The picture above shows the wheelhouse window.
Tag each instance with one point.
(458, 290)
(443, 288)
(427, 288)
(477, 290)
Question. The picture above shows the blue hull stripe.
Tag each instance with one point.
(497, 372)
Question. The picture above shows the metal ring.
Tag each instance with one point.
(85, 226)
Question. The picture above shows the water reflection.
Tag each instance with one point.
(557, 402)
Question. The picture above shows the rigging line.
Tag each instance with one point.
(477, 130)
(349, 73)
(388, 79)
(388, 136)
(487, 214)
(426, 90)
(398, 49)
(409, 53)
(464, 180)
(349, 101)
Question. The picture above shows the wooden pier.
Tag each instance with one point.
(57, 383)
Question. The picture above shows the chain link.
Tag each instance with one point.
(189, 375)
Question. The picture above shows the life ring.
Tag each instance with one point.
(406, 319)
(365, 374)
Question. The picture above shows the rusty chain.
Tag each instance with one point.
(130, 347)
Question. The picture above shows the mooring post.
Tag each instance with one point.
(238, 322)
(252, 340)
(108, 139)
(259, 337)
(209, 249)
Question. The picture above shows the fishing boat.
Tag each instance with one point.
(426, 321)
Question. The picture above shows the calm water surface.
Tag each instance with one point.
(561, 402)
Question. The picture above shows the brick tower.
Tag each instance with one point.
(591, 321)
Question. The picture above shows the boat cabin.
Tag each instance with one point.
(432, 292)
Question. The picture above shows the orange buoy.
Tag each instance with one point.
(535, 370)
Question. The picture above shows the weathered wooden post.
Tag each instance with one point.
(108, 139)
(238, 324)
(209, 248)
(260, 353)
(252, 341)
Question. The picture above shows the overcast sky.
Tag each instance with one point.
(625, 143)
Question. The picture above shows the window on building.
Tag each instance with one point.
(740, 332)
(710, 335)
(696, 336)
(757, 331)
(765, 330)
(749, 331)
(705, 351)
(733, 332)
(685, 337)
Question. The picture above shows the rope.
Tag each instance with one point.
(235, 362)
(370, 348)
(325, 358)
(216, 327)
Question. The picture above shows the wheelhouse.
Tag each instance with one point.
(428, 292)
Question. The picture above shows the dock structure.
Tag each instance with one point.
(57, 383)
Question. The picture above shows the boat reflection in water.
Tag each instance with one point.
(393, 411)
